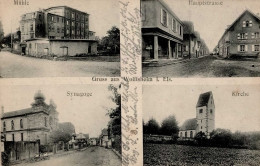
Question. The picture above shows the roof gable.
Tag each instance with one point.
(204, 99)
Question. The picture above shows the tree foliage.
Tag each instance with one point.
(63, 133)
(169, 126)
(111, 42)
(151, 127)
(114, 125)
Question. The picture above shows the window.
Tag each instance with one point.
(191, 134)
(4, 126)
(181, 135)
(180, 30)
(68, 31)
(255, 35)
(52, 18)
(21, 123)
(12, 125)
(174, 25)
(21, 136)
(164, 17)
(242, 36)
(255, 48)
(72, 32)
(13, 137)
(58, 19)
(67, 22)
(31, 27)
(72, 15)
(185, 134)
(45, 121)
(72, 23)
(201, 127)
(242, 48)
(58, 29)
(211, 111)
(201, 111)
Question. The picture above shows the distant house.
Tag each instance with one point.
(241, 38)
(93, 141)
(105, 141)
(204, 121)
(162, 31)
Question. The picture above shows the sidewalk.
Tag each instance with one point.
(164, 62)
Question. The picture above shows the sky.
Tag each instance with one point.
(234, 113)
(211, 21)
(103, 13)
(88, 114)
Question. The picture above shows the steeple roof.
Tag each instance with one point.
(204, 99)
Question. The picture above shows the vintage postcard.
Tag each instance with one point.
(61, 125)
(59, 38)
(201, 125)
(200, 38)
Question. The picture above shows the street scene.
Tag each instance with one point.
(196, 43)
(207, 66)
(60, 31)
(93, 156)
(13, 66)
(61, 125)
(201, 125)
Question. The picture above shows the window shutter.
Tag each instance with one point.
(167, 19)
(250, 23)
(238, 47)
(246, 48)
(162, 16)
(238, 36)
(253, 48)
(253, 35)
(244, 24)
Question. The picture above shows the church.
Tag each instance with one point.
(204, 121)
(30, 124)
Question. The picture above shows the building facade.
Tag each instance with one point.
(162, 31)
(31, 124)
(241, 38)
(204, 121)
(62, 26)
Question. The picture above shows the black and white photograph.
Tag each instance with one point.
(61, 125)
(201, 125)
(198, 38)
(75, 38)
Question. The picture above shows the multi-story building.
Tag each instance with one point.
(60, 31)
(204, 121)
(162, 31)
(31, 124)
(241, 38)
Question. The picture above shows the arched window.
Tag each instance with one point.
(45, 121)
(21, 123)
(185, 134)
(12, 125)
(4, 126)
(191, 134)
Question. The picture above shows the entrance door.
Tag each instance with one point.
(24, 50)
(89, 49)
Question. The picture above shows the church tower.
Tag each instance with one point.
(205, 113)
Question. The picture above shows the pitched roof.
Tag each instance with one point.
(246, 11)
(190, 124)
(18, 112)
(204, 99)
